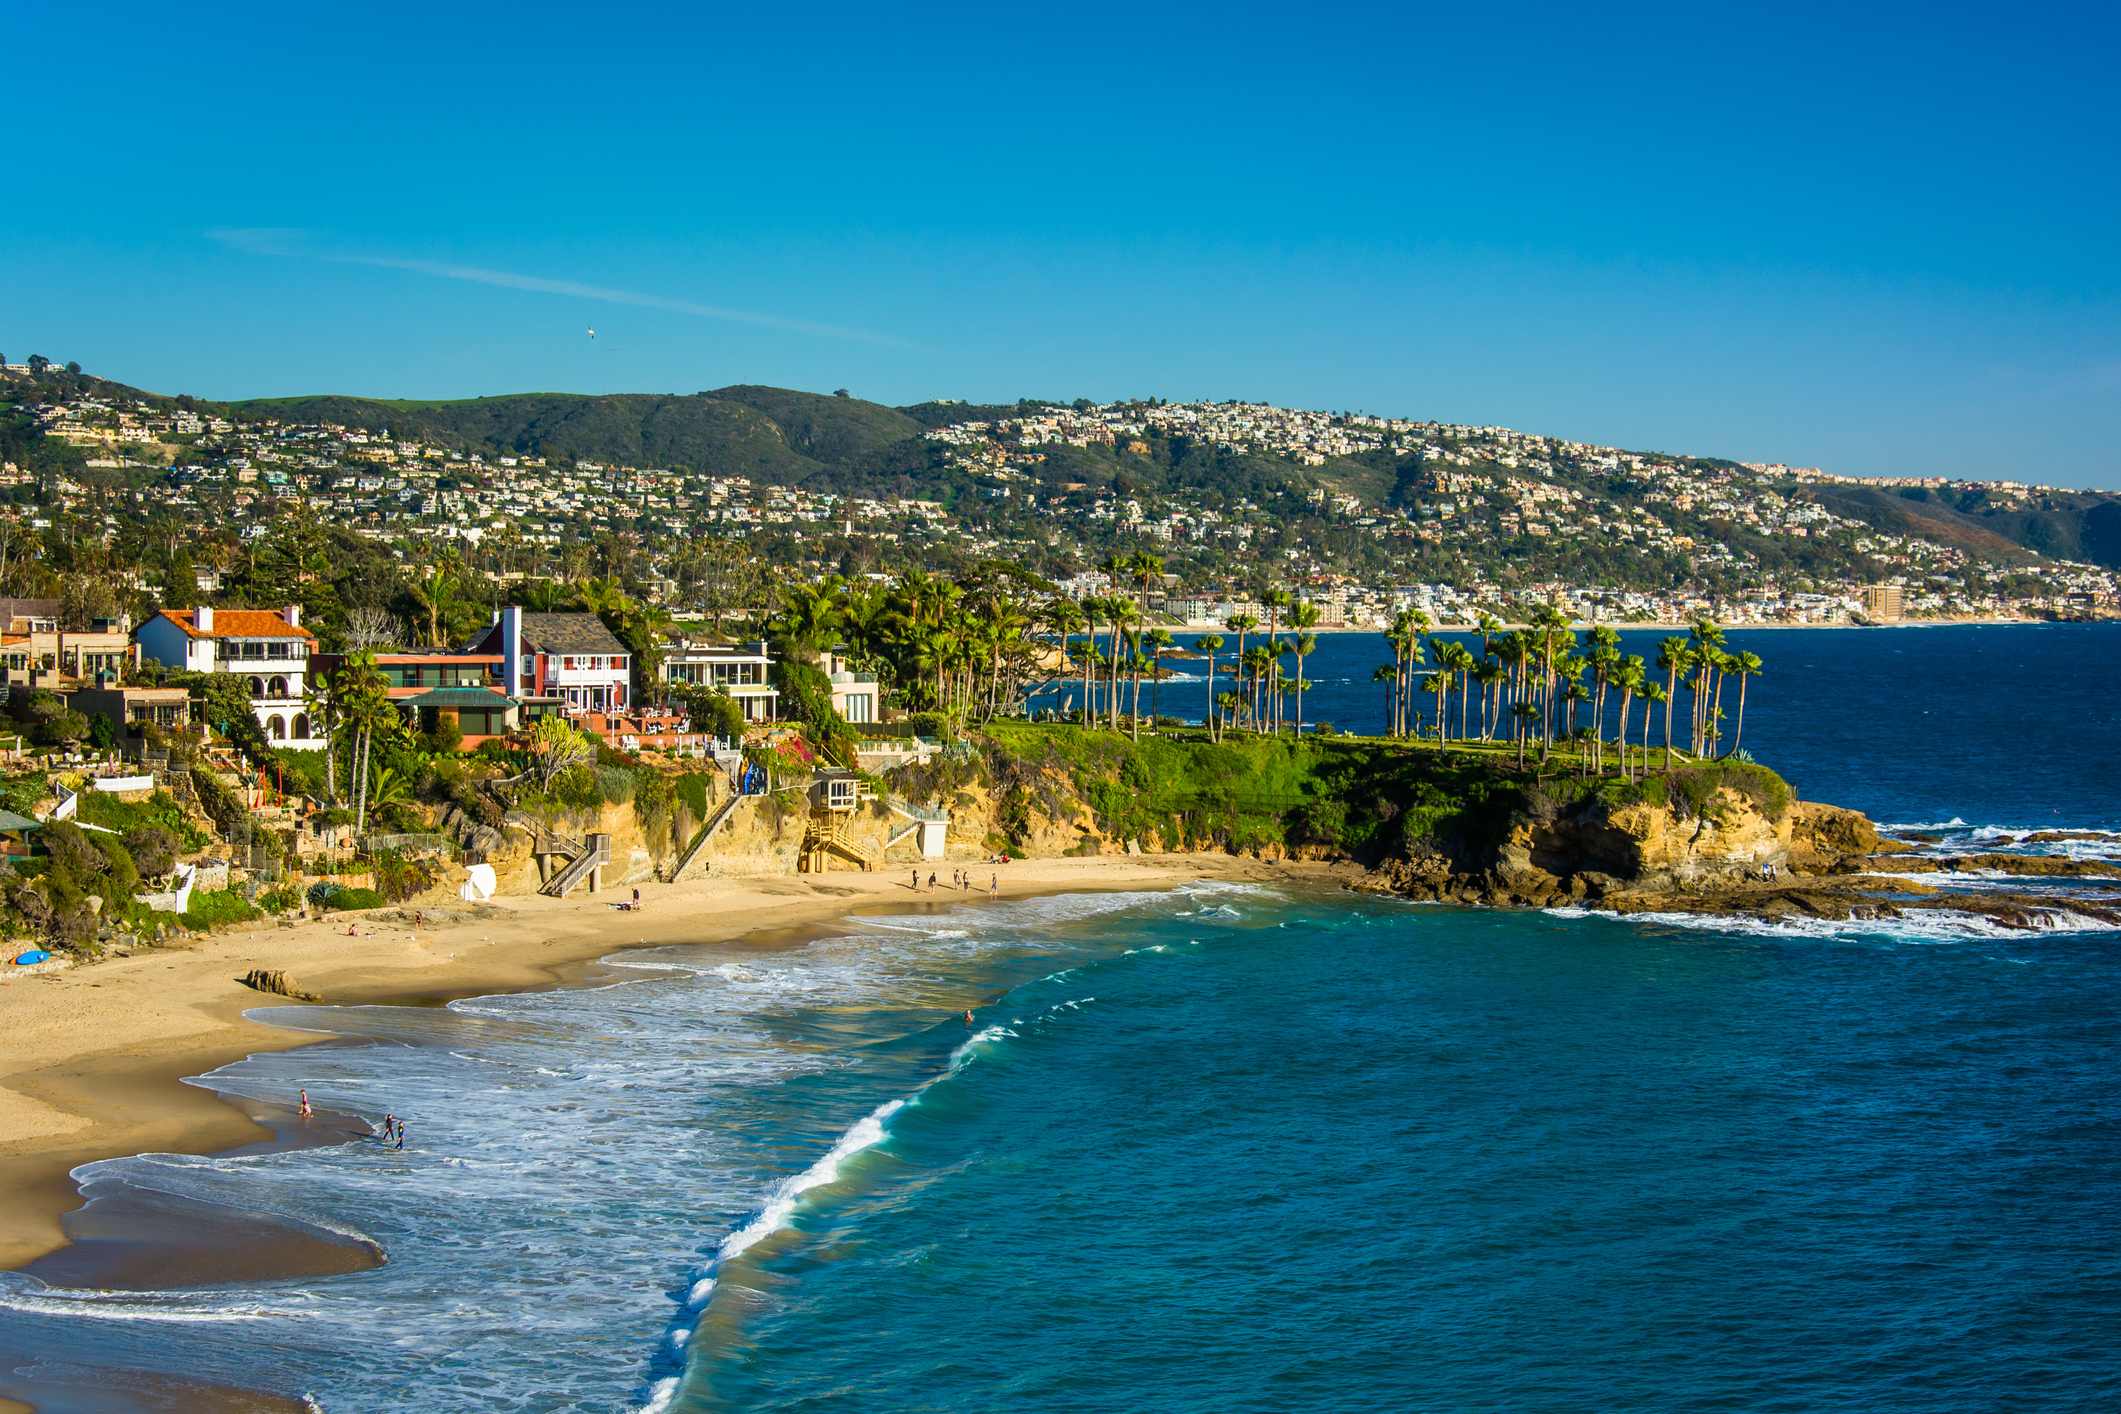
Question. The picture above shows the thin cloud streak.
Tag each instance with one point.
(276, 241)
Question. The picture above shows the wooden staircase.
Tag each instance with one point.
(595, 854)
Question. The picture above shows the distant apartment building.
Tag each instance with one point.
(1885, 602)
(270, 649)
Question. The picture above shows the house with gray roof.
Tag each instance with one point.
(571, 660)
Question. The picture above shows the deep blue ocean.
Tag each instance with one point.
(1241, 1147)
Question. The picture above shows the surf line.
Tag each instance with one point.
(786, 1197)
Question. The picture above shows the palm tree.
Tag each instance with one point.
(1303, 618)
(1707, 650)
(1457, 659)
(1158, 640)
(1085, 655)
(1653, 693)
(1255, 661)
(1147, 569)
(1748, 665)
(1440, 684)
(1548, 622)
(1672, 658)
(1306, 644)
(1122, 614)
(1276, 600)
(435, 594)
(1490, 674)
(1524, 712)
(1388, 674)
(1628, 678)
(1230, 703)
(1240, 624)
(1604, 658)
(1064, 619)
(1211, 644)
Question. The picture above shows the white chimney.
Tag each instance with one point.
(204, 617)
(293, 614)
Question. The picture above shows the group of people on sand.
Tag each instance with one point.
(960, 880)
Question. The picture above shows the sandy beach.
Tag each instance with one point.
(94, 1055)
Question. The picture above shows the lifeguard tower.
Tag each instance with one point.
(834, 797)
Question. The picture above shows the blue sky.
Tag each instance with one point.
(1877, 240)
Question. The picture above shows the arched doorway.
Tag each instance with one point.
(276, 727)
(301, 726)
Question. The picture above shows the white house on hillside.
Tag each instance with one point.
(740, 669)
(270, 648)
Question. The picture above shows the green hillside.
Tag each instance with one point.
(2066, 526)
(768, 434)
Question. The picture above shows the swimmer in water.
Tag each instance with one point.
(968, 1016)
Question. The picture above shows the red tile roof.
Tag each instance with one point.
(238, 623)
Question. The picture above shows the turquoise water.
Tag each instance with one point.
(1221, 1147)
(1291, 1154)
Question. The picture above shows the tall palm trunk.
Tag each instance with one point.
(1738, 740)
(1716, 705)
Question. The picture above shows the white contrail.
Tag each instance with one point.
(277, 241)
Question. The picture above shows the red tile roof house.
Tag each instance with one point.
(269, 647)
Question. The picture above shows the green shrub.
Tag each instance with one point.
(219, 907)
(325, 894)
(615, 785)
(692, 788)
(281, 899)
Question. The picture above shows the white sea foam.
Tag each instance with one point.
(781, 1206)
(131, 1306)
(659, 1396)
(1926, 926)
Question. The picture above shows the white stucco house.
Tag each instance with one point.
(269, 647)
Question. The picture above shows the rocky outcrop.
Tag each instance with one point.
(1650, 846)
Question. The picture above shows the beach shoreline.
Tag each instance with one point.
(97, 1056)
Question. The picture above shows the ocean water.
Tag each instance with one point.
(1220, 1147)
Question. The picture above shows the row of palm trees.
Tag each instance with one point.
(1534, 679)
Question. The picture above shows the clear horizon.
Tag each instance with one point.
(1873, 243)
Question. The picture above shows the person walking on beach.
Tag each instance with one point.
(994, 890)
(916, 881)
(305, 1105)
(931, 881)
